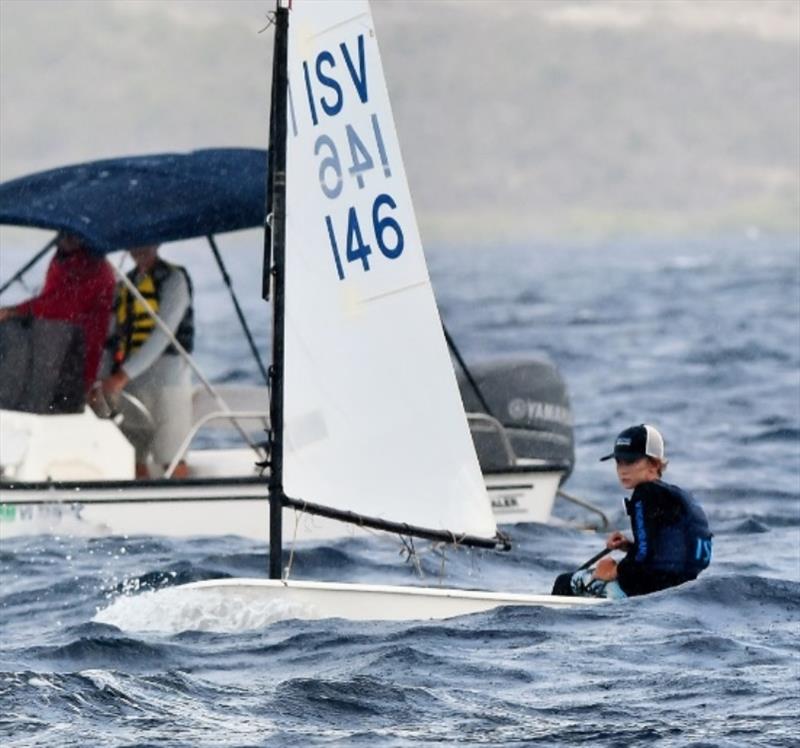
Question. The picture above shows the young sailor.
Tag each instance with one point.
(146, 364)
(671, 541)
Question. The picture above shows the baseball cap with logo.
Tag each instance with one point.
(637, 442)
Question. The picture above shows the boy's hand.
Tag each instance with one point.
(617, 541)
(606, 570)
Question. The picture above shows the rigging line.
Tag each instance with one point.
(28, 265)
(184, 354)
(411, 555)
(270, 23)
(451, 344)
(360, 524)
(227, 280)
(337, 26)
(266, 269)
(474, 562)
(297, 515)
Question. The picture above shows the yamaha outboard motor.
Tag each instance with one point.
(529, 398)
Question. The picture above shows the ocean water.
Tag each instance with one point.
(701, 338)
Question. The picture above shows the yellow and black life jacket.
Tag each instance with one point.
(134, 323)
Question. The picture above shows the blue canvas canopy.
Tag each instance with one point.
(120, 203)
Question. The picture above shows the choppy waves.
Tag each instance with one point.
(100, 647)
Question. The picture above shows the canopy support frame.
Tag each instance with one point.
(245, 327)
(28, 265)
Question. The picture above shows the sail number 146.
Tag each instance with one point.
(387, 232)
(354, 242)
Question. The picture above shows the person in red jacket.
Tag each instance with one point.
(79, 289)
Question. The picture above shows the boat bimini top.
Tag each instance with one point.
(121, 203)
(133, 201)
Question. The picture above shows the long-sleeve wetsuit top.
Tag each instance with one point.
(78, 288)
(175, 299)
(671, 539)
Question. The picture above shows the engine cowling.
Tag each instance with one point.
(529, 398)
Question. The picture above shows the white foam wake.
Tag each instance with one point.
(175, 609)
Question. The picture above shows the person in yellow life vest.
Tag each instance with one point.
(146, 364)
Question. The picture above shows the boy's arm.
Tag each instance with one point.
(651, 510)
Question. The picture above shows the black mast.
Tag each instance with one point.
(277, 223)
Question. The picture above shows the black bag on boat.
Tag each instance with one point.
(41, 366)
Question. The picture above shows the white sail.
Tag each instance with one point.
(374, 423)
(373, 420)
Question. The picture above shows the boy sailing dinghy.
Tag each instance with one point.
(363, 319)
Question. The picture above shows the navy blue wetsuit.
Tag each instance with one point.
(671, 539)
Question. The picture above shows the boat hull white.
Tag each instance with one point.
(217, 507)
(524, 495)
(365, 602)
(263, 601)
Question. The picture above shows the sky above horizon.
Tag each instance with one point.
(516, 118)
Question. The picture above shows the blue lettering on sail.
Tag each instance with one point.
(292, 115)
(309, 93)
(362, 162)
(359, 79)
(351, 155)
(325, 69)
(330, 109)
(329, 165)
(386, 230)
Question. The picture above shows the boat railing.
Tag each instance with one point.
(605, 523)
(482, 422)
(235, 417)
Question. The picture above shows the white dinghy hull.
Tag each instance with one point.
(366, 602)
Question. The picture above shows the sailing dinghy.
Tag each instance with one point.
(359, 357)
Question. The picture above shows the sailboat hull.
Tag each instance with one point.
(365, 602)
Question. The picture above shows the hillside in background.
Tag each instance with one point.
(518, 119)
